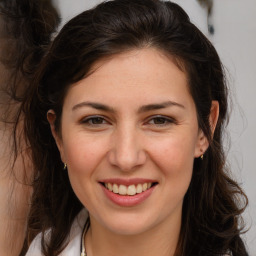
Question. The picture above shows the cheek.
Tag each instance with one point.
(83, 155)
(175, 158)
(173, 152)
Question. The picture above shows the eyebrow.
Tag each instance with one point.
(144, 108)
(95, 105)
(162, 105)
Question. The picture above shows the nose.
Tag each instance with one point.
(127, 151)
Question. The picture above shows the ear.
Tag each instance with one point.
(214, 115)
(203, 143)
(51, 117)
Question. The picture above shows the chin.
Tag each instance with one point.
(129, 226)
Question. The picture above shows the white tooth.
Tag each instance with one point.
(139, 188)
(122, 190)
(149, 185)
(144, 187)
(115, 188)
(131, 190)
(110, 187)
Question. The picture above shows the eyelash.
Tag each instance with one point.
(166, 121)
(89, 120)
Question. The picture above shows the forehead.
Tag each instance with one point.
(136, 74)
(142, 59)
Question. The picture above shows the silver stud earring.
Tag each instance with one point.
(65, 166)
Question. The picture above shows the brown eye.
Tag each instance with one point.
(160, 121)
(94, 120)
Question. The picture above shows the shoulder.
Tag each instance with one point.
(74, 244)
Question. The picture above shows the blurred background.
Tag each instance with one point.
(234, 25)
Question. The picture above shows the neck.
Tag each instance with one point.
(161, 240)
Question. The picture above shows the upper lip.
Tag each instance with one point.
(127, 182)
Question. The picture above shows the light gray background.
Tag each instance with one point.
(235, 40)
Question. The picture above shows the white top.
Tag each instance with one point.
(74, 245)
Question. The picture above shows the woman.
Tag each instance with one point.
(130, 100)
(25, 26)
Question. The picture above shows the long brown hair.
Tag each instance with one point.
(26, 28)
(212, 205)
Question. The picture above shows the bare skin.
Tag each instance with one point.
(14, 201)
(14, 194)
(16, 44)
(150, 131)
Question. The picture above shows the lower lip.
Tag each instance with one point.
(128, 201)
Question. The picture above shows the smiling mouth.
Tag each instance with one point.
(130, 190)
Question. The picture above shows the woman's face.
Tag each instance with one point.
(129, 138)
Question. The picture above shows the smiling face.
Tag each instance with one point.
(129, 138)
